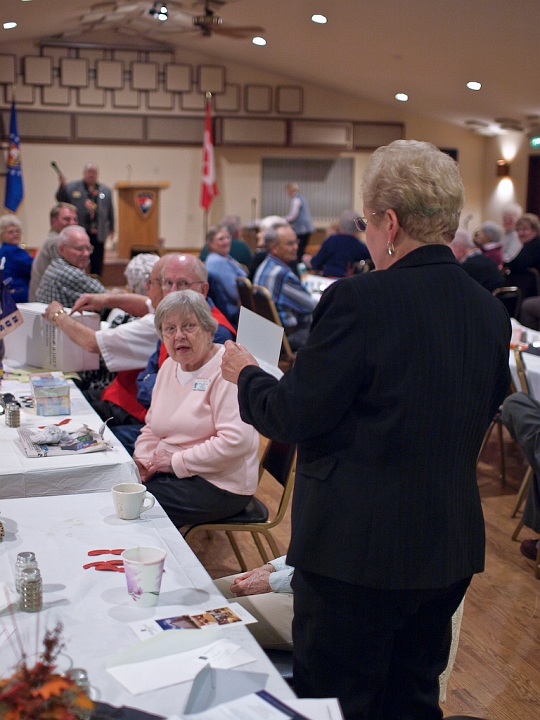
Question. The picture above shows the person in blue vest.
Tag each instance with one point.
(299, 217)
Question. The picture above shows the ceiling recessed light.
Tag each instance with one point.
(402, 97)
(9, 25)
(473, 85)
(258, 41)
(321, 19)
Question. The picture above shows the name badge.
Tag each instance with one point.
(201, 384)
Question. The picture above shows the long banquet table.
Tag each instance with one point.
(30, 477)
(94, 606)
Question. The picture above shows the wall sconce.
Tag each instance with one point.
(503, 168)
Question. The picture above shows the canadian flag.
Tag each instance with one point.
(209, 188)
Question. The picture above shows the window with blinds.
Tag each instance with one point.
(327, 185)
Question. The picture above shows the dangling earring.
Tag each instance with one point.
(390, 249)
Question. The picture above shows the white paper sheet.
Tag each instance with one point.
(168, 670)
(262, 339)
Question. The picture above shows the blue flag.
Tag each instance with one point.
(14, 181)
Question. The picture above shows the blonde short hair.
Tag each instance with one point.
(421, 184)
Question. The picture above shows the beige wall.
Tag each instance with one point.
(238, 169)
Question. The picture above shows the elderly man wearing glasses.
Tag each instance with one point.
(66, 279)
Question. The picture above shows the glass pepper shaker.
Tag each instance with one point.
(31, 597)
(24, 560)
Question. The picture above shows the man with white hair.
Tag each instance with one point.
(65, 280)
(62, 215)
(510, 239)
(479, 266)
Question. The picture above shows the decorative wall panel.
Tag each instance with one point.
(178, 78)
(38, 70)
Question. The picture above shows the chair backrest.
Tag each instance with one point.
(536, 274)
(265, 307)
(279, 460)
(521, 370)
(245, 292)
(510, 298)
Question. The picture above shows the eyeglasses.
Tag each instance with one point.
(170, 331)
(361, 221)
(168, 285)
(82, 248)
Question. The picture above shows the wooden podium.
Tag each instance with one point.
(138, 214)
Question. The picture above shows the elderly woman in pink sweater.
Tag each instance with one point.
(195, 454)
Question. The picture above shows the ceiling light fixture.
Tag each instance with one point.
(159, 11)
(402, 97)
(320, 19)
(9, 25)
(473, 85)
(259, 41)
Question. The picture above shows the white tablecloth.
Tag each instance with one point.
(30, 477)
(94, 606)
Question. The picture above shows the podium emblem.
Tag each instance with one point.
(145, 202)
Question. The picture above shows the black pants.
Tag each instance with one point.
(303, 239)
(193, 500)
(96, 258)
(379, 651)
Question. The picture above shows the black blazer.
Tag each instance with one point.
(389, 401)
(76, 193)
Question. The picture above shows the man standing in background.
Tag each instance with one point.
(93, 201)
(62, 215)
(299, 217)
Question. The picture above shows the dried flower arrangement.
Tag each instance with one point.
(40, 693)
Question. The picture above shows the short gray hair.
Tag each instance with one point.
(233, 223)
(462, 237)
(513, 209)
(346, 222)
(421, 184)
(9, 220)
(68, 231)
(492, 230)
(138, 271)
(272, 221)
(271, 236)
(185, 302)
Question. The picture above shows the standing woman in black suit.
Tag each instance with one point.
(388, 402)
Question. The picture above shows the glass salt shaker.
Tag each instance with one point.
(31, 598)
(24, 560)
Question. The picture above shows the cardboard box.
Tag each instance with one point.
(40, 343)
(51, 394)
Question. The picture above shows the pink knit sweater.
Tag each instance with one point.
(202, 427)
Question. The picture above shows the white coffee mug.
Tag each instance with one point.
(129, 500)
